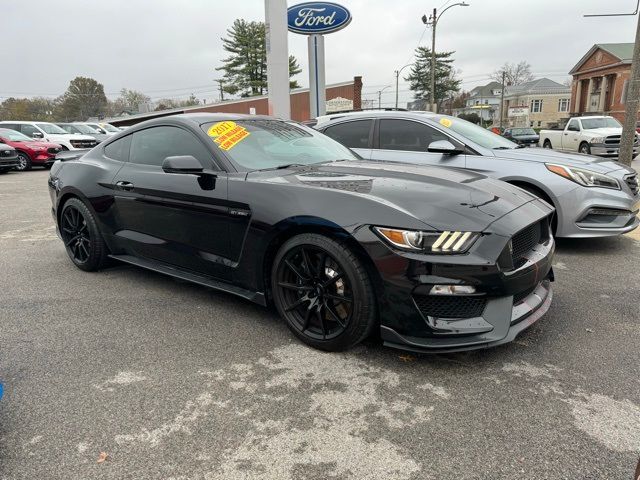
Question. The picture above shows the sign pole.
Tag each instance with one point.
(277, 58)
(317, 92)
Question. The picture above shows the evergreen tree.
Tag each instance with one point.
(245, 70)
(420, 75)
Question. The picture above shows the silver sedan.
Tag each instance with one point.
(593, 197)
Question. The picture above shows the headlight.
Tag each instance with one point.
(597, 140)
(586, 178)
(448, 242)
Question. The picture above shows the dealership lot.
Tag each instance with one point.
(173, 380)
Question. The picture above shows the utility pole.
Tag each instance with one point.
(380, 96)
(220, 88)
(502, 100)
(434, 23)
(632, 104)
(397, 73)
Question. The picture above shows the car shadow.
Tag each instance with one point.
(594, 246)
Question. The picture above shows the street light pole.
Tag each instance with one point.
(433, 21)
(380, 96)
(397, 72)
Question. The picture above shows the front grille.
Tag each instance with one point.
(6, 153)
(84, 143)
(519, 297)
(450, 306)
(632, 181)
(615, 140)
(53, 150)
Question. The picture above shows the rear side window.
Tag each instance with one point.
(407, 135)
(351, 134)
(119, 150)
(12, 126)
(28, 130)
(153, 145)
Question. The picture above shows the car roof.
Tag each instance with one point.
(24, 122)
(415, 114)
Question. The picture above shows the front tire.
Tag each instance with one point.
(24, 162)
(323, 292)
(585, 148)
(82, 239)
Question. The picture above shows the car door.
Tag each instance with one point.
(571, 135)
(173, 218)
(355, 134)
(407, 141)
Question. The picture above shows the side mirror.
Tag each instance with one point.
(445, 147)
(37, 135)
(186, 164)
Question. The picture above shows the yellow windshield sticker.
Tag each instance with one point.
(445, 122)
(227, 134)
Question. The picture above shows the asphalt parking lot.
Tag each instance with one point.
(175, 381)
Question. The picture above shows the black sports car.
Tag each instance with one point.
(435, 259)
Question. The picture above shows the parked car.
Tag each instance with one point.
(30, 152)
(104, 128)
(593, 197)
(276, 212)
(595, 135)
(8, 158)
(82, 129)
(50, 132)
(522, 136)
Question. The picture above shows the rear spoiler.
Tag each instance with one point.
(66, 155)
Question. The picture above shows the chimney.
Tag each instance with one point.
(357, 93)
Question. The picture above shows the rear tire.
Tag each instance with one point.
(547, 144)
(323, 292)
(82, 239)
(584, 148)
(24, 162)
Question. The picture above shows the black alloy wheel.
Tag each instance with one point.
(546, 144)
(24, 162)
(81, 237)
(323, 292)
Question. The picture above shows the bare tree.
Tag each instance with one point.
(514, 73)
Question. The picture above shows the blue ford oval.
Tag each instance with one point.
(317, 17)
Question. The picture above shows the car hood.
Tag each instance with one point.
(526, 137)
(442, 198)
(70, 136)
(545, 155)
(40, 145)
(603, 132)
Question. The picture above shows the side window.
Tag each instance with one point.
(119, 150)
(351, 134)
(407, 135)
(573, 126)
(28, 130)
(12, 126)
(153, 145)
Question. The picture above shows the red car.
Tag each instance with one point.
(30, 152)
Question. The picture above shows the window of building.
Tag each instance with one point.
(351, 134)
(563, 105)
(536, 106)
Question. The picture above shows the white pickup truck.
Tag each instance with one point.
(595, 135)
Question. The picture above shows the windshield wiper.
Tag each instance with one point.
(502, 148)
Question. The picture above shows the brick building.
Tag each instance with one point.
(600, 80)
(346, 91)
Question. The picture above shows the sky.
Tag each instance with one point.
(170, 48)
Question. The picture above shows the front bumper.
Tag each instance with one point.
(7, 163)
(507, 300)
(603, 150)
(582, 212)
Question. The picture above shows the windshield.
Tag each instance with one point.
(606, 122)
(85, 129)
(523, 131)
(260, 144)
(14, 136)
(110, 128)
(51, 129)
(483, 137)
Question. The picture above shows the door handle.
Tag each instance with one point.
(126, 186)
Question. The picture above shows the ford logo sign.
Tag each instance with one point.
(317, 18)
